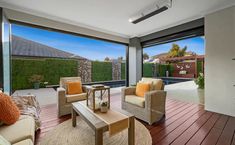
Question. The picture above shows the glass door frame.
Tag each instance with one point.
(5, 50)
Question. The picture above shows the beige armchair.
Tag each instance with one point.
(64, 100)
(151, 107)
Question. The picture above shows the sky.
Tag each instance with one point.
(195, 44)
(89, 48)
(96, 49)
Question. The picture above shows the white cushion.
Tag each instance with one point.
(156, 83)
(135, 100)
(24, 142)
(3, 141)
(23, 129)
(76, 97)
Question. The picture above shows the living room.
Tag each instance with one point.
(81, 72)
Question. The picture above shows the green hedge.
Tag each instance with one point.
(162, 68)
(123, 71)
(101, 71)
(50, 69)
(147, 69)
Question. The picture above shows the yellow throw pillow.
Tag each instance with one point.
(74, 88)
(142, 88)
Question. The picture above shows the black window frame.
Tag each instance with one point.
(184, 31)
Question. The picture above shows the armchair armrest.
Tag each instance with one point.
(128, 91)
(84, 89)
(155, 101)
(61, 95)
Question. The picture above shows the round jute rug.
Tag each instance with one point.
(82, 134)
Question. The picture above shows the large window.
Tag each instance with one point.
(175, 61)
(49, 55)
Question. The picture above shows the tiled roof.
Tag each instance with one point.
(25, 47)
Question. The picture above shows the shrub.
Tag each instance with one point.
(199, 67)
(36, 79)
(200, 81)
(101, 71)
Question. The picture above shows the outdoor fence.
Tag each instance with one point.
(159, 70)
(53, 69)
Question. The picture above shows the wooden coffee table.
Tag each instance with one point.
(98, 125)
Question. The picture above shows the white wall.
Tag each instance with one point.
(219, 66)
(36, 20)
(132, 65)
(135, 60)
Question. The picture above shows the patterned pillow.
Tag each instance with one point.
(9, 112)
(3, 141)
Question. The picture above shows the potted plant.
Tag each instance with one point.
(36, 80)
(103, 106)
(200, 82)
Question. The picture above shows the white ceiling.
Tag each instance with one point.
(112, 16)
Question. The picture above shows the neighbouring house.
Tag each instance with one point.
(24, 48)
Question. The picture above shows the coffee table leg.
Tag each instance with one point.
(131, 131)
(74, 115)
(99, 137)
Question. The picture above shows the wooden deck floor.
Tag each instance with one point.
(185, 123)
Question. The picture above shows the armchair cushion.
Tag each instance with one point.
(75, 97)
(156, 83)
(24, 142)
(74, 88)
(142, 88)
(135, 100)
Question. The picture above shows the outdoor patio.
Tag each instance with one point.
(184, 91)
(48, 96)
(185, 123)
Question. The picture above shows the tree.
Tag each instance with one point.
(145, 56)
(182, 51)
(107, 59)
(175, 51)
